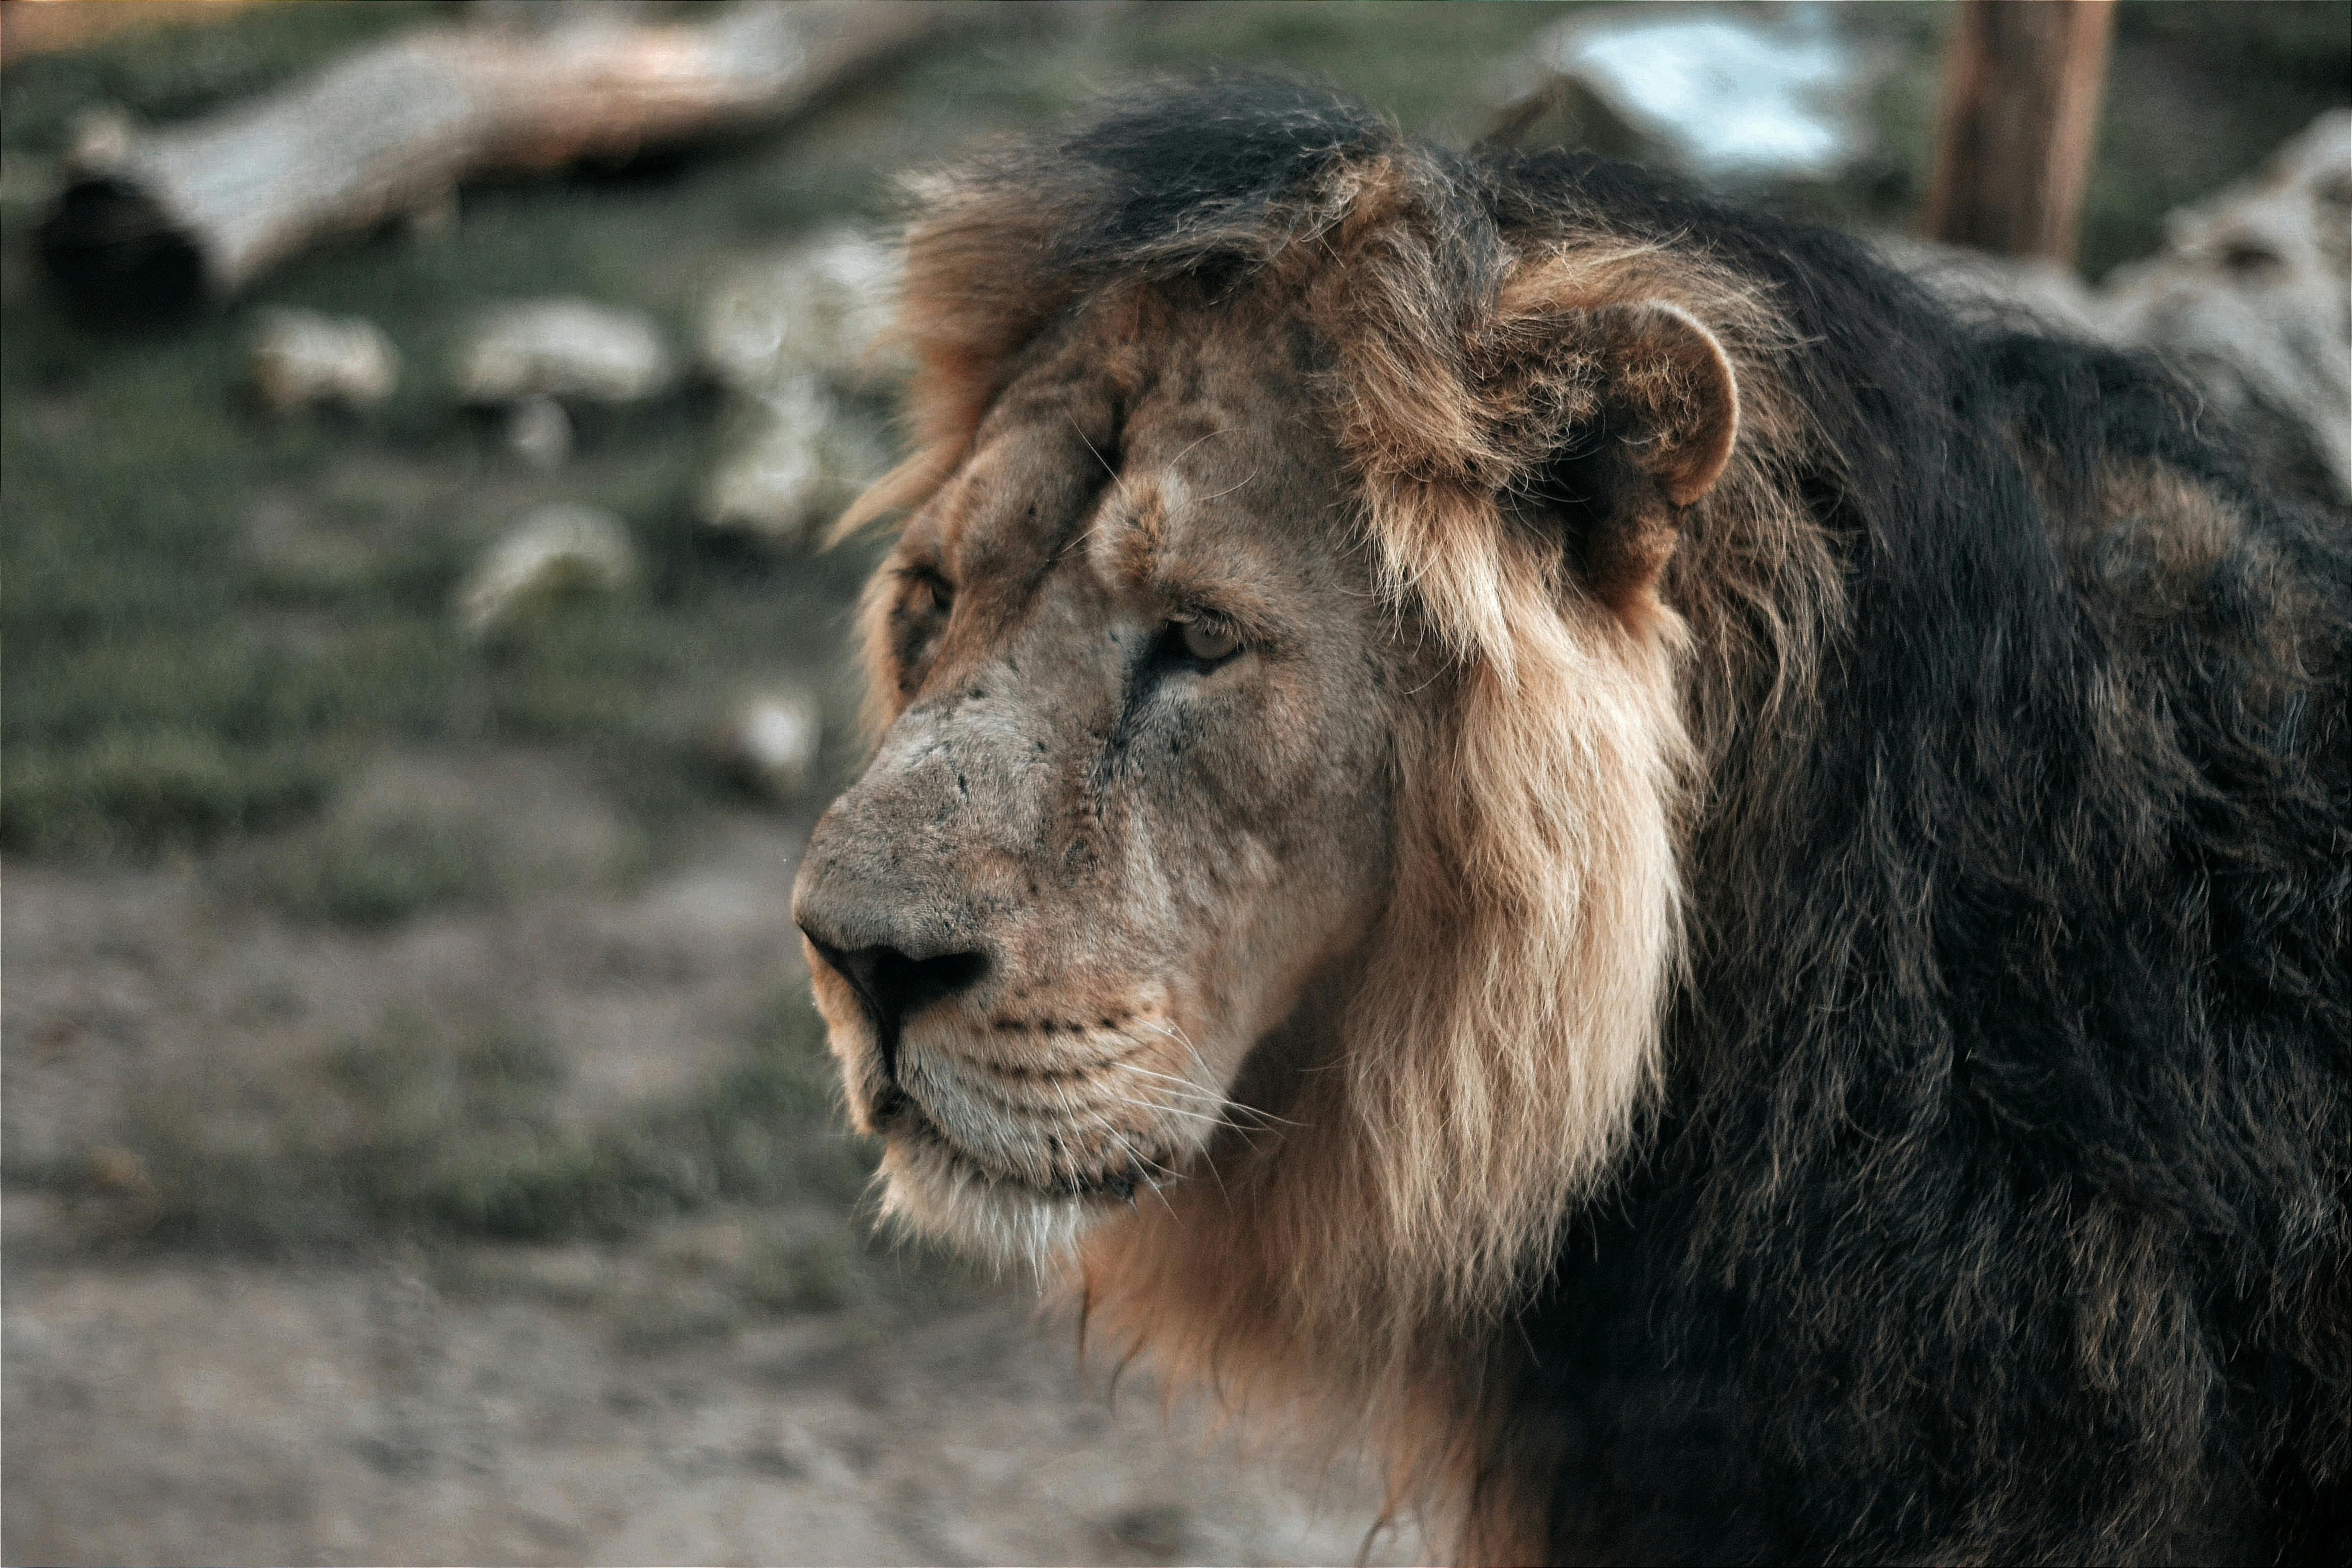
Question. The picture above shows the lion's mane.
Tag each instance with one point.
(1856, 1063)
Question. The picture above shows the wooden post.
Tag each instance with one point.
(2019, 112)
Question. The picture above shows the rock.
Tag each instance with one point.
(771, 740)
(788, 335)
(98, 138)
(300, 358)
(1727, 96)
(552, 554)
(2252, 297)
(539, 432)
(819, 309)
(795, 463)
(565, 348)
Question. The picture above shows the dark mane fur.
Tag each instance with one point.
(1997, 1207)
(2001, 1212)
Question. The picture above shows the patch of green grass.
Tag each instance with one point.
(411, 1131)
(379, 872)
(133, 789)
(172, 673)
(812, 1274)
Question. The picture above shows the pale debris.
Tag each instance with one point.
(819, 309)
(787, 335)
(771, 739)
(98, 138)
(564, 349)
(796, 461)
(1727, 95)
(300, 358)
(2251, 297)
(538, 432)
(549, 554)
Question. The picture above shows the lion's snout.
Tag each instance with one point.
(890, 939)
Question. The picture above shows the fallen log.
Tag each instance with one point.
(193, 213)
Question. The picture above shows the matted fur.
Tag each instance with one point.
(1778, 840)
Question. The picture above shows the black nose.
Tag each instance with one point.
(892, 988)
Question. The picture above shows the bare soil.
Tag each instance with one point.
(418, 1397)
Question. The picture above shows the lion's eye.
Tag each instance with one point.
(921, 610)
(1209, 642)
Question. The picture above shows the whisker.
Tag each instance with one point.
(1172, 1110)
(1176, 1035)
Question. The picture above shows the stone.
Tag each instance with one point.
(771, 740)
(299, 359)
(819, 309)
(539, 433)
(569, 348)
(794, 462)
(549, 554)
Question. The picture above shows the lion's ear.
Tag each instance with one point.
(1659, 416)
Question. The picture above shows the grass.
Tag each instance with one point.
(382, 872)
(453, 1143)
(419, 1130)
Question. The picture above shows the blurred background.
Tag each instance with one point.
(420, 674)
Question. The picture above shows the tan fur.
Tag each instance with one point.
(1479, 1059)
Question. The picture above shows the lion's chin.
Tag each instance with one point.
(936, 1193)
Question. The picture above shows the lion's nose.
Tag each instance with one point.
(893, 985)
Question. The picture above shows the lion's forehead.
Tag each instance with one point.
(1205, 476)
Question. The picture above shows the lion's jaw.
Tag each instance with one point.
(1088, 871)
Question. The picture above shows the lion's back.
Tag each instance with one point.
(2001, 1209)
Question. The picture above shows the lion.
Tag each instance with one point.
(1570, 831)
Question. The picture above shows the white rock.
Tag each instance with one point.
(795, 463)
(551, 553)
(98, 138)
(2251, 297)
(299, 358)
(564, 348)
(772, 739)
(819, 309)
(1729, 95)
(539, 432)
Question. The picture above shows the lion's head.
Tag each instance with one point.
(1135, 789)
(1264, 886)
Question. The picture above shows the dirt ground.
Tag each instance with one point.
(163, 1411)
(366, 1415)
(592, 1400)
